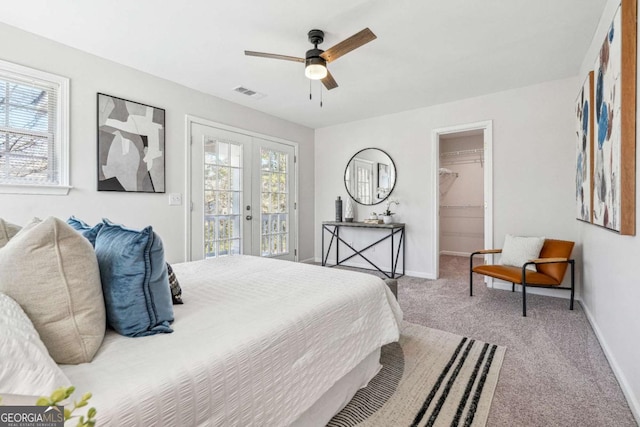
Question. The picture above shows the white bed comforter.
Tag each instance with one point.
(257, 342)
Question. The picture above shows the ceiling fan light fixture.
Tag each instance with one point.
(315, 68)
(315, 61)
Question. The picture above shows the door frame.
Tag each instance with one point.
(487, 128)
(191, 119)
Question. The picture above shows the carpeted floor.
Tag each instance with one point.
(554, 371)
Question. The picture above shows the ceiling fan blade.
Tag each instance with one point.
(347, 45)
(329, 81)
(273, 56)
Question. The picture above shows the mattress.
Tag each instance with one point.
(257, 342)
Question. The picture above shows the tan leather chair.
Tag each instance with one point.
(551, 267)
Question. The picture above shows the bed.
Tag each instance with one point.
(257, 342)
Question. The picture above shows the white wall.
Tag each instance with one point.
(533, 149)
(89, 75)
(611, 270)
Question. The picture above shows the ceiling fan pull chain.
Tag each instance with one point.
(310, 97)
(321, 96)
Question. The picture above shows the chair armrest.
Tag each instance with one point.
(487, 251)
(548, 260)
(545, 261)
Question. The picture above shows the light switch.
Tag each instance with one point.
(175, 199)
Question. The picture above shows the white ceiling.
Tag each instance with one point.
(427, 52)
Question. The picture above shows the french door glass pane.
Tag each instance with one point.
(274, 208)
(222, 198)
(364, 184)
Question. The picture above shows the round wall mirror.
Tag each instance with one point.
(370, 176)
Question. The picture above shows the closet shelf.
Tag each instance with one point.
(462, 157)
(462, 153)
(461, 206)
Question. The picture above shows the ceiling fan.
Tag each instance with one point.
(316, 59)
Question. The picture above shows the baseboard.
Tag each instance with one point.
(632, 399)
(364, 265)
(454, 253)
(556, 293)
(308, 260)
(421, 275)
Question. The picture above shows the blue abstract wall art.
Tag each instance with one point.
(584, 150)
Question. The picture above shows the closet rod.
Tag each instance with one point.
(461, 162)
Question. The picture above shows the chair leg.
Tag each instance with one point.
(572, 284)
(524, 299)
(471, 276)
(513, 287)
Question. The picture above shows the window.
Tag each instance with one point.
(222, 194)
(34, 137)
(274, 209)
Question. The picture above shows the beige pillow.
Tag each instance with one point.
(7, 231)
(52, 272)
(517, 250)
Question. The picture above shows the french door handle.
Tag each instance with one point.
(249, 217)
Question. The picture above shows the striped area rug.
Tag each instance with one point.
(429, 378)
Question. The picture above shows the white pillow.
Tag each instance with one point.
(518, 250)
(7, 231)
(51, 270)
(26, 367)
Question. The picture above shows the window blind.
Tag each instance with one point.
(28, 120)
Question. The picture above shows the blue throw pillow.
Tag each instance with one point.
(85, 229)
(135, 282)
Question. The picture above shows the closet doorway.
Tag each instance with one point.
(463, 213)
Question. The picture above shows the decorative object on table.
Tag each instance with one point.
(387, 214)
(131, 146)
(348, 210)
(339, 209)
(362, 176)
(373, 221)
(614, 175)
(584, 151)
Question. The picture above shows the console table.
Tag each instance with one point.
(395, 233)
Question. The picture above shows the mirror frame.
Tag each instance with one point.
(394, 181)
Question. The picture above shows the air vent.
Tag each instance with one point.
(248, 92)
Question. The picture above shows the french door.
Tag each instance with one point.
(242, 195)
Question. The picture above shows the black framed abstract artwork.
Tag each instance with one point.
(131, 146)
